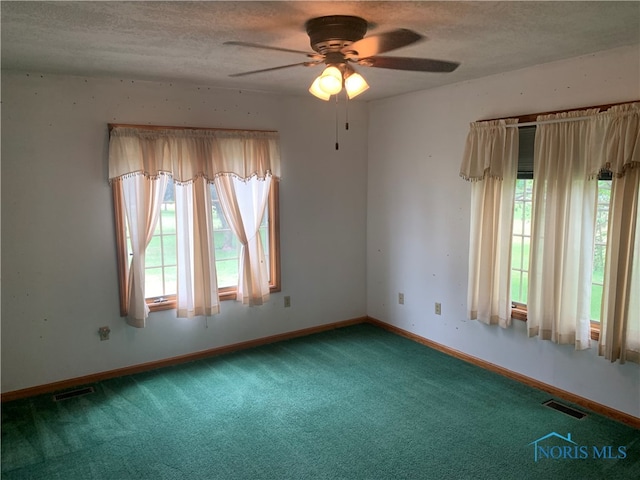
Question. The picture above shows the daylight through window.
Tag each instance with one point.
(521, 238)
(160, 259)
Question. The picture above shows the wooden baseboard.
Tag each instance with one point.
(556, 392)
(145, 367)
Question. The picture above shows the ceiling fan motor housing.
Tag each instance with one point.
(334, 32)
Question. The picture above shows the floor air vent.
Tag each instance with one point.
(73, 394)
(572, 412)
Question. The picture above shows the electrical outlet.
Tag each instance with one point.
(287, 301)
(438, 309)
(401, 298)
(104, 333)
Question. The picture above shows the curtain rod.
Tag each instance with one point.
(530, 119)
(161, 127)
(543, 122)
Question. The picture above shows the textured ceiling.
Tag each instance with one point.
(183, 41)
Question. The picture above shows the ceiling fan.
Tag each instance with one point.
(338, 42)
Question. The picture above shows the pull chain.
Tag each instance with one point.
(346, 125)
(337, 145)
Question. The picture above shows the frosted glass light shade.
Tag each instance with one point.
(317, 91)
(331, 80)
(355, 84)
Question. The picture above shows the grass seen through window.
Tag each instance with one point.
(522, 237)
(160, 257)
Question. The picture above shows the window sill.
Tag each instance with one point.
(520, 313)
(224, 294)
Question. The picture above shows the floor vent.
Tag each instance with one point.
(73, 393)
(572, 412)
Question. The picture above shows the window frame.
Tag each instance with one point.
(227, 293)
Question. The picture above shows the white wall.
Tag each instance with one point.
(58, 249)
(58, 253)
(418, 216)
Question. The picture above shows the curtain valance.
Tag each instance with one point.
(485, 147)
(617, 139)
(187, 154)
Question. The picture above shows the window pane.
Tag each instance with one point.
(227, 271)
(525, 287)
(153, 257)
(516, 253)
(168, 218)
(600, 247)
(169, 249)
(264, 235)
(153, 282)
(596, 302)
(521, 240)
(170, 280)
(516, 281)
(226, 244)
(526, 241)
(519, 188)
(600, 252)
(219, 222)
(526, 222)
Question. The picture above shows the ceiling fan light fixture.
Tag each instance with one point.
(337, 41)
(331, 80)
(355, 84)
(315, 89)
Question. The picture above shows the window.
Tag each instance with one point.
(521, 237)
(160, 258)
(176, 230)
(571, 264)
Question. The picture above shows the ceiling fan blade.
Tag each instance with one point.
(411, 64)
(267, 47)
(382, 42)
(303, 64)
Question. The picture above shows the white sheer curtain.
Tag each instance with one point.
(142, 196)
(243, 203)
(193, 157)
(562, 231)
(197, 285)
(618, 149)
(491, 161)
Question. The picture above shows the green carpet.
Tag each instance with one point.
(352, 403)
